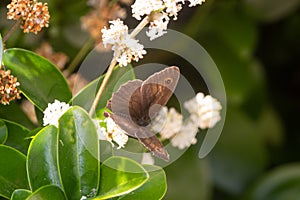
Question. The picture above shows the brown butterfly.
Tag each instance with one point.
(137, 102)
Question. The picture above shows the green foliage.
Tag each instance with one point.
(63, 162)
(41, 82)
(124, 174)
(12, 171)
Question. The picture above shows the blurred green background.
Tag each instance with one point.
(256, 46)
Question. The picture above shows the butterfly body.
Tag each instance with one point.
(137, 102)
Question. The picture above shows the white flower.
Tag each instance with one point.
(115, 132)
(205, 110)
(167, 123)
(186, 136)
(147, 159)
(158, 26)
(83, 198)
(173, 7)
(125, 48)
(101, 131)
(160, 11)
(195, 2)
(145, 7)
(53, 112)
(110, 132)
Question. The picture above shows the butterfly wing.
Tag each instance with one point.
(124, 103)
(132, 106)
(158, 88)
(152, 143)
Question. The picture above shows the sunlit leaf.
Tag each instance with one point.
(20, 194)
(154, 188)
(41, 82)
(48, 192)
(42, 166)
(119, 176)
(78, 154)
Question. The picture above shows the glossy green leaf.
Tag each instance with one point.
(18, 136)
(41, 82)
(8, 112)
(281, 183)
(87, 95)
(3, 132)
(48, 192)
(119, 176)
(78, 153)
(20, 194)
(42, 167)
(154, 188)
(12, 171)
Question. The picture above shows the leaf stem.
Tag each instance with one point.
(80, 55)
(137, 29)
(11, 30)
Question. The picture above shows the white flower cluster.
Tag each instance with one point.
(205, 113)
(125, 48)
(53, 112)
(205, 110)
(162, 10)
(112, 132)
(169, 124)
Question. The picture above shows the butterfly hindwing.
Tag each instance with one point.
(152, 143)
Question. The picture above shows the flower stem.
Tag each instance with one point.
(102, 86)
(138, 29)
(80, 55)
(11, 30)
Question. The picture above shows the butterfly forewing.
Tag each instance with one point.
(158, 89)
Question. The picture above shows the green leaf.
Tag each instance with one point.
(281, 183)
(87, 95)
(8, 112)
(42, 167)
(20, 194)
(41, 82)
(154, 188)
(78, 154)
(12, 171)
(48, 192)
(119, 176)
(3, 132)
(18, 136)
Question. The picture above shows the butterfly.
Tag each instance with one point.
(136, 102)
